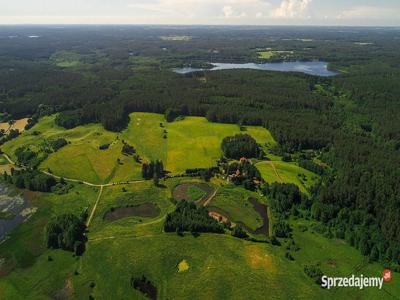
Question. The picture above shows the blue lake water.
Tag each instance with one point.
(316, 68)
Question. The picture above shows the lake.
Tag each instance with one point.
(316, 68)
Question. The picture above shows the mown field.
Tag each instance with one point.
(190, 143)
(283, 172)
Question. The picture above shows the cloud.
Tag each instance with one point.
(228, 11)
(368, 12)
(291, 9)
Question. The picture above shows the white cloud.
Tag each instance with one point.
(369, 12)
(291, 9)
(228, 11)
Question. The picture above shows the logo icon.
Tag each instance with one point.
(387, 275)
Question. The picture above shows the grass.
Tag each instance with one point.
(191, 143)
(195, 143)
(287, 173)
(336, 258)
(122, 196)
(234, 202)
(81, 159)
(26, 241)
(215, 276)
(210, 266)
(195, 193)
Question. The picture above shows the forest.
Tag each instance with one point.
(352, 120)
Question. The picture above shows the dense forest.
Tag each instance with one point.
(352, 120)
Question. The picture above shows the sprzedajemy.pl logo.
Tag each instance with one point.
(360, 282)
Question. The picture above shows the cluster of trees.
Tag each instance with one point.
(205, 173)
(312, 166)
(66, 232)
(240, 145)
(154, 169)
(12, 134)
(32, 180)
(58, 144)
(128, 149)
(189, 217)
(283, 197)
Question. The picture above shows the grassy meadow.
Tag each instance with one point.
(234, 202)
(287, 173)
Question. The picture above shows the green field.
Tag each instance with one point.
(81, 159)
(234, 202)
(191, 143)
(287, 173)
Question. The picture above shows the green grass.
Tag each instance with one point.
(122, 196)
(195, 193)
(196, 143)
(221, 266)
(236, 269)
(81, 159)
(26, 242)
(265, 54)
(234, 201)
(191, 143)
(336, 258)
(288, 173)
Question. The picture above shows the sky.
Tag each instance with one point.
(202, 12)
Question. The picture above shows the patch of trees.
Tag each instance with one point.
(240, 145)
(239, 232)
(12, 134)
(205, 173)
(282, 196)
(66, 232)
(58, 144)
(27, 157)
(311, 166)
(189, 217)
(128, 149)
(32, 180)
(172, 113)
(154, 169)
(104, 146)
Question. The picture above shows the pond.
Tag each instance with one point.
(316, 68)
(13, 211)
